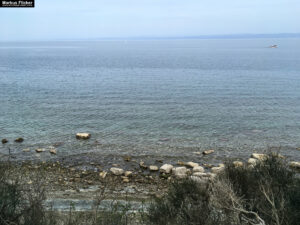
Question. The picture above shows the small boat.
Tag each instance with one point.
(273, 46)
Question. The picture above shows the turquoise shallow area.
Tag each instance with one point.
(152, 97)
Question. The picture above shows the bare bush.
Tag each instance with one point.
(266, 194)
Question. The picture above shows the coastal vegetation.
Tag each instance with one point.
(266, 192)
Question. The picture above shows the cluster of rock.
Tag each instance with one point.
(18, 140)
(194, 170)
(189, 169)
(52, 149)
(118, 172)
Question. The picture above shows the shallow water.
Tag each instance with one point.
(154, 97)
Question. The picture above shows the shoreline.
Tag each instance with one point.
(67, 180)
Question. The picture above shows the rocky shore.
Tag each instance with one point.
(137, 181)
(135, 178)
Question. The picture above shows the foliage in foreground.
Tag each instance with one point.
(266, 194)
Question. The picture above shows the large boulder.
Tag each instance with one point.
(179, 172)
(166, 168)
(83, 136)
(116, 171)
(198, 169)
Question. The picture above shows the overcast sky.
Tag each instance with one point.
(83, 19)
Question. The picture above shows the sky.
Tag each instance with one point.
(90, 19)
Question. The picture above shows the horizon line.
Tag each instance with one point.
(209, 36)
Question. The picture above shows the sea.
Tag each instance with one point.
(164, 98)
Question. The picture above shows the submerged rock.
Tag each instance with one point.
(180, 163)
(39, 150)
(52, 151)
(116, 171)
(57, 144)
(207, 152)
(4, 141)
(83, 136)
(166, 168)
(127, 158)
(19, 140)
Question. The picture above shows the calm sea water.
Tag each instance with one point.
(153, 97)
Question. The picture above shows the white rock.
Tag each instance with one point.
(179, 172)
(166, 168)
(143, 166)
(191, 164)
(200, 174)
(252, 161)
(294, 165)
(221, 165)
(217, 170)
(83, 135)
(153, 168)
(238, 164)
(103, 174)
(116, 171)
(53, 151)
(198, 169)
(260, 157)
(207, 152)
(128, 173)
(39, 150)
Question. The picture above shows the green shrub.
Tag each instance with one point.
(20, 204)
(266, 194)
(185, 203)
(270, 188)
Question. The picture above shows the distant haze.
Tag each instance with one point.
(74, 19)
